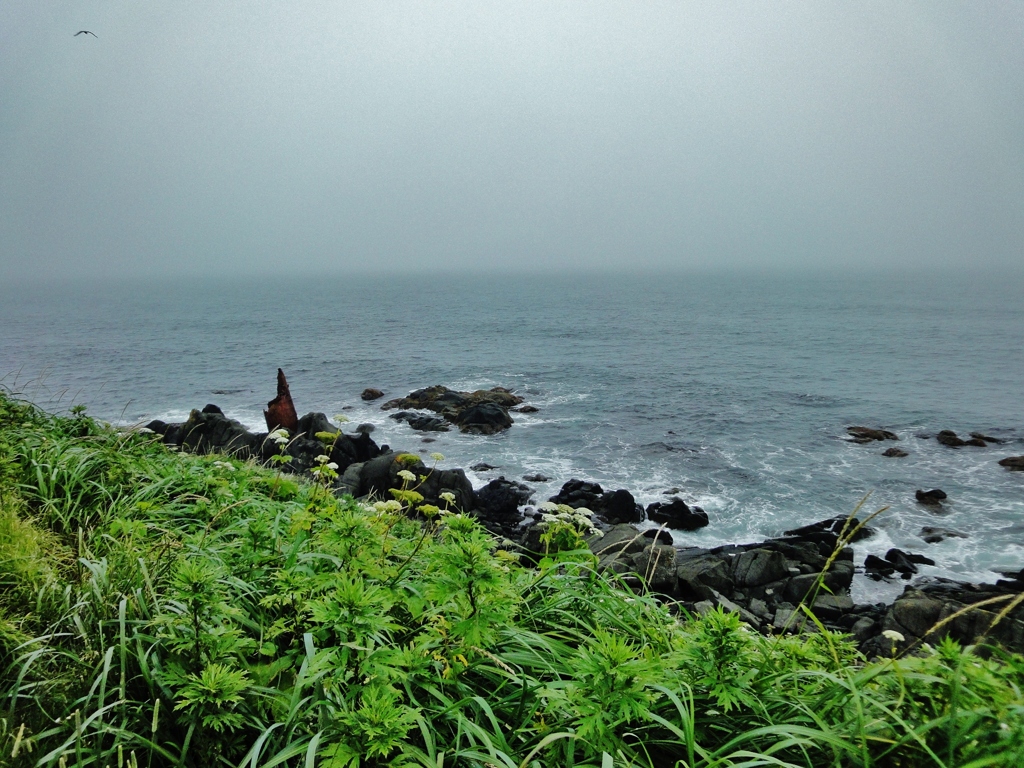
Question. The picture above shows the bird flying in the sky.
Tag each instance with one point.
(84, 32)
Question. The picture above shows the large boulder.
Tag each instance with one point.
(483, 419)
(501, 499)
(969, 613)
(1013, 462)
(675, 513)
(210, 431)
(579, 493)
(619, 506)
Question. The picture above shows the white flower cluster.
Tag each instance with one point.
(324, 463)
(391, 505)
(225, 465)
(580, 519)
(406, 475)
(279, 436)
(447, 496)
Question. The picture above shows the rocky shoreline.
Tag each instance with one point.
(765, 582)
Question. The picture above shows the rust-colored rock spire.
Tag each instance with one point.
(281, 410)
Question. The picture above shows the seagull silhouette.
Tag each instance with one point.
(84, 32)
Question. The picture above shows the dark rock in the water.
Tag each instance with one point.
(501, 499)
(877, 568)
(536, 477)
(832, 527)
(619, 507)
(483, 419)
(949, 437)
(280, 411)
(483, 466)
(482, 412)
(986, 438)
(370, 393)
(932, 498)
(579, 493)
(660, 535)
(421, 422)
(867, 434)
(898, 556)
(677, 514)
(1013, 462)
(211, 408)
(905, 563)
(525, 409)
(935, 535)
(365, 429)
(895, 453)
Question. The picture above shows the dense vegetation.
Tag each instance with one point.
(163, 609)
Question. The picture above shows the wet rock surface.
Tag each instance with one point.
(677, 514)
(1013, 462)
(895, 453)
(484, 411)
(612, 507)
(868, 434)
(931, 498)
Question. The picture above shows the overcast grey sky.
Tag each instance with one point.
(195, 136)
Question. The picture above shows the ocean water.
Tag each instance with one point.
(735, 389)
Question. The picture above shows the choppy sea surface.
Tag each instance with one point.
(734, 389)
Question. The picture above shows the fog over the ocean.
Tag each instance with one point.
(191, 137)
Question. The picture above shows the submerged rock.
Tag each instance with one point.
(949, 438)
(867, 434)
(932, 498)
(895, 453)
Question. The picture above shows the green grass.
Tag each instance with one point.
(160, 609)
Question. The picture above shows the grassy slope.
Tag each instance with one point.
(163, 609)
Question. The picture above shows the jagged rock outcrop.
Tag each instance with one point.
(966, 612)
(611, 507)
(677, 514)
(484, 411)
(281, 410)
